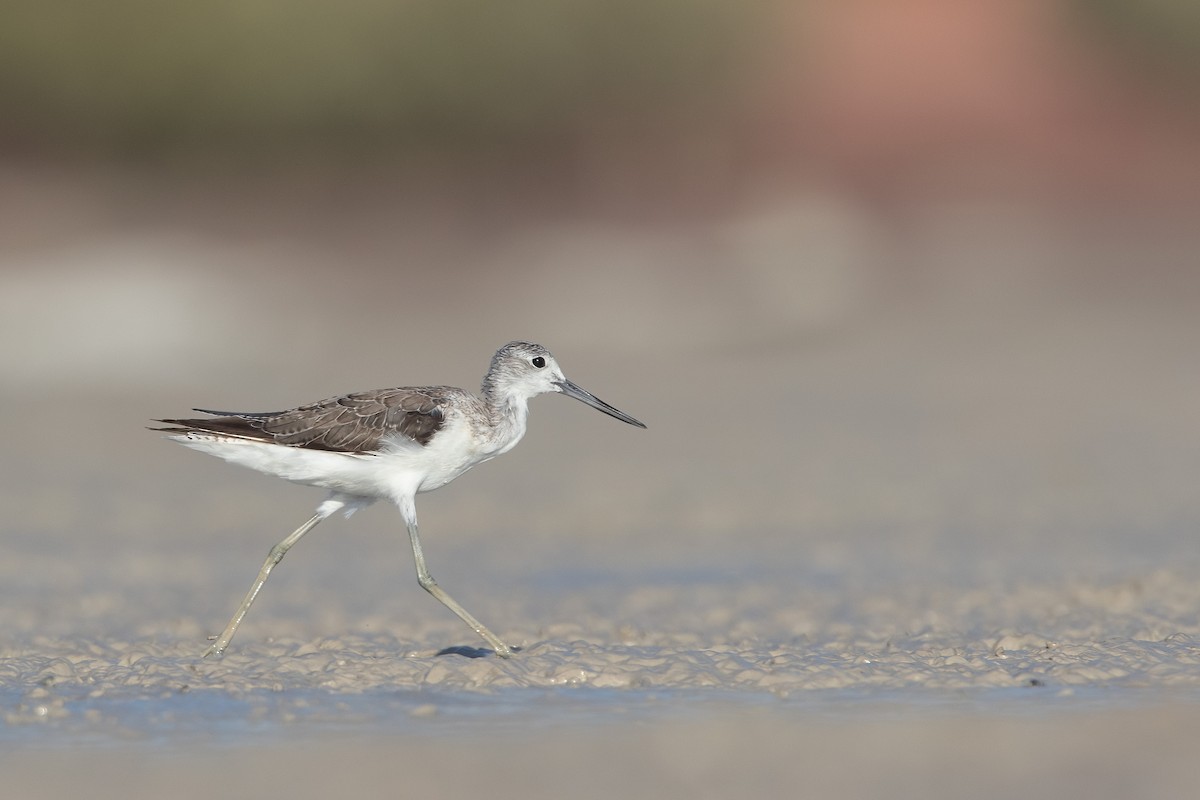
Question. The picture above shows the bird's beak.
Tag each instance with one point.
(571, 390)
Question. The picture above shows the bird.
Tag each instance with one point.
(384, 444)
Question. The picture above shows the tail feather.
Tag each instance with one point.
(224, 426)
(252, 414)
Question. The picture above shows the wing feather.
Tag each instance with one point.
(351, 423)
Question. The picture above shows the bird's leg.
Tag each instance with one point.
(273, 558)
(430, 585)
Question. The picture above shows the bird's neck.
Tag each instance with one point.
(507, 414)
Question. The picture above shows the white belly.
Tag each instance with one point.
(401, 468)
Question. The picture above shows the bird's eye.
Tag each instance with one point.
(538, 362)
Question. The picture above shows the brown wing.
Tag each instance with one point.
(352, 423)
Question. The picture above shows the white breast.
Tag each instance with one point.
(400, 468)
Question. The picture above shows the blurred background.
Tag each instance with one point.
(907, 292)
(621, 176)
(890, 280)
(250, 185)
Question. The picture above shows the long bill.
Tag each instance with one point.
(584, 396)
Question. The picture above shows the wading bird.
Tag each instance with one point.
(389, 444)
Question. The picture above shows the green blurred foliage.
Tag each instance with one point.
(1162, 35)
(139, 77)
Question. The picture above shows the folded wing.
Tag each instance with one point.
(352, 423)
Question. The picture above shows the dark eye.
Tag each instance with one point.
(538, 362)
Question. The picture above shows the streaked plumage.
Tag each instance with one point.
(386, 443)
(351, 423)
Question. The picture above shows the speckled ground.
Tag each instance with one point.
(879, 537)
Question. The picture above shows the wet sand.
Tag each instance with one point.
(922, 524)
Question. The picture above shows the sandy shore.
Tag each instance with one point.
(924, 531)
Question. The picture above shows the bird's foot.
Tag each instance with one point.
(216, 649)
(477, 652)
